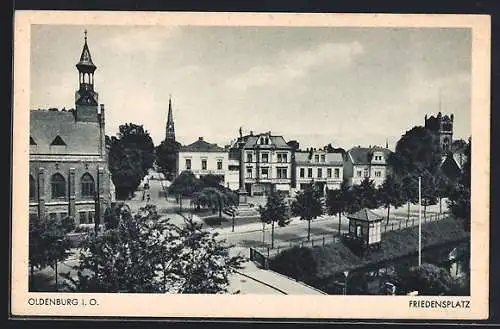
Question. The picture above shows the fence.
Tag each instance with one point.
(265, 251)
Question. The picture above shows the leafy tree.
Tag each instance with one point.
(459, 199)
(444, 188)
(429, 191)
(363, 195)
(417, 151)
(185, 185)
(409, 191)
(131, 155)
(166, 157)
(212, 197)
(48, 243)
(144, 254)
(274, 212)
(211, 180)
(390, 193)
(427, 279)
(112, 214)
(338, 201)
(308, 206)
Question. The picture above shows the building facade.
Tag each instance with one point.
(203, 158)
(265, 163)
(319, 167)
(68, 165)
(366, 162)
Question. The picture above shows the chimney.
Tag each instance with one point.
(200, 139)
(251, 132)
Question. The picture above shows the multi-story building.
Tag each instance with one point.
(203, 158)
(68, 165)
(265, 163)
(318, 166)
(363, 162)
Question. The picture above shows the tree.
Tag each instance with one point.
(112, 214)
(274, 212)
(338, 201)
(144, 254)
(409, 191)
(427, 279)
(131, 155)
(459, 199)
(211, 180)
(428, 190)
(212, 197)
(307, 206)
(390, 193)
(185, 185)
(48, 243)
(166, 157)
(416, 151)
(363, 195)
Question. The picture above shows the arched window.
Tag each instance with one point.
(32, 188)
(88, 186)
(58, 184)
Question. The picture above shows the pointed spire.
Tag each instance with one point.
(386, 143)
(85, 62)
(170, 118)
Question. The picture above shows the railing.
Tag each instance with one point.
(332, 238)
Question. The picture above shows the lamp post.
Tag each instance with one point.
(419, 221)
(346, 274)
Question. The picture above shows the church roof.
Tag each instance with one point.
(365, 215)
(59, 128)
(201, 146)
(363, 155)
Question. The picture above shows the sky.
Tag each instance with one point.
(317, 85)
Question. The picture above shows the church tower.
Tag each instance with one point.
(170, 134)
(86, 99)
(442, 127)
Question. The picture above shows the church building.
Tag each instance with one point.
(68, 165)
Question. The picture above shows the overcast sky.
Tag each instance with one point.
(345, 86)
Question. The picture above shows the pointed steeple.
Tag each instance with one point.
(85, 64)
(386, 143)
(170, 134)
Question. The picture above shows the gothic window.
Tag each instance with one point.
(58, 184)
(32, 188)
(88, 186)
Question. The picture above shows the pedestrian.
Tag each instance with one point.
(147, 198)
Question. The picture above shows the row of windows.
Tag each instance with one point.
(366, 173)
(58, 186)
(264, 157)
(317, 158)
(281, 173)
(203, 164)
(319, 173)
(84, 217)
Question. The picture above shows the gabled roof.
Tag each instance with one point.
(363, 155)
(365, 215)
(274, 142)
(201, 146)
(80, 137)
(58, 141)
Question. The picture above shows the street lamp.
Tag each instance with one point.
(346, 274)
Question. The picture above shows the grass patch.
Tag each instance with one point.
(320, 266)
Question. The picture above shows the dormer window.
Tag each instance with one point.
(58, 141)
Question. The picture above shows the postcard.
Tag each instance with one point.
(250, 165)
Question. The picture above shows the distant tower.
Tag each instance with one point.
(170, 134)
(442, 126)
(86, 99)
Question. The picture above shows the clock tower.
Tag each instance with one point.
(86, 99)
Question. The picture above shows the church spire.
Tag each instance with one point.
(86, 98)
(170, 134)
